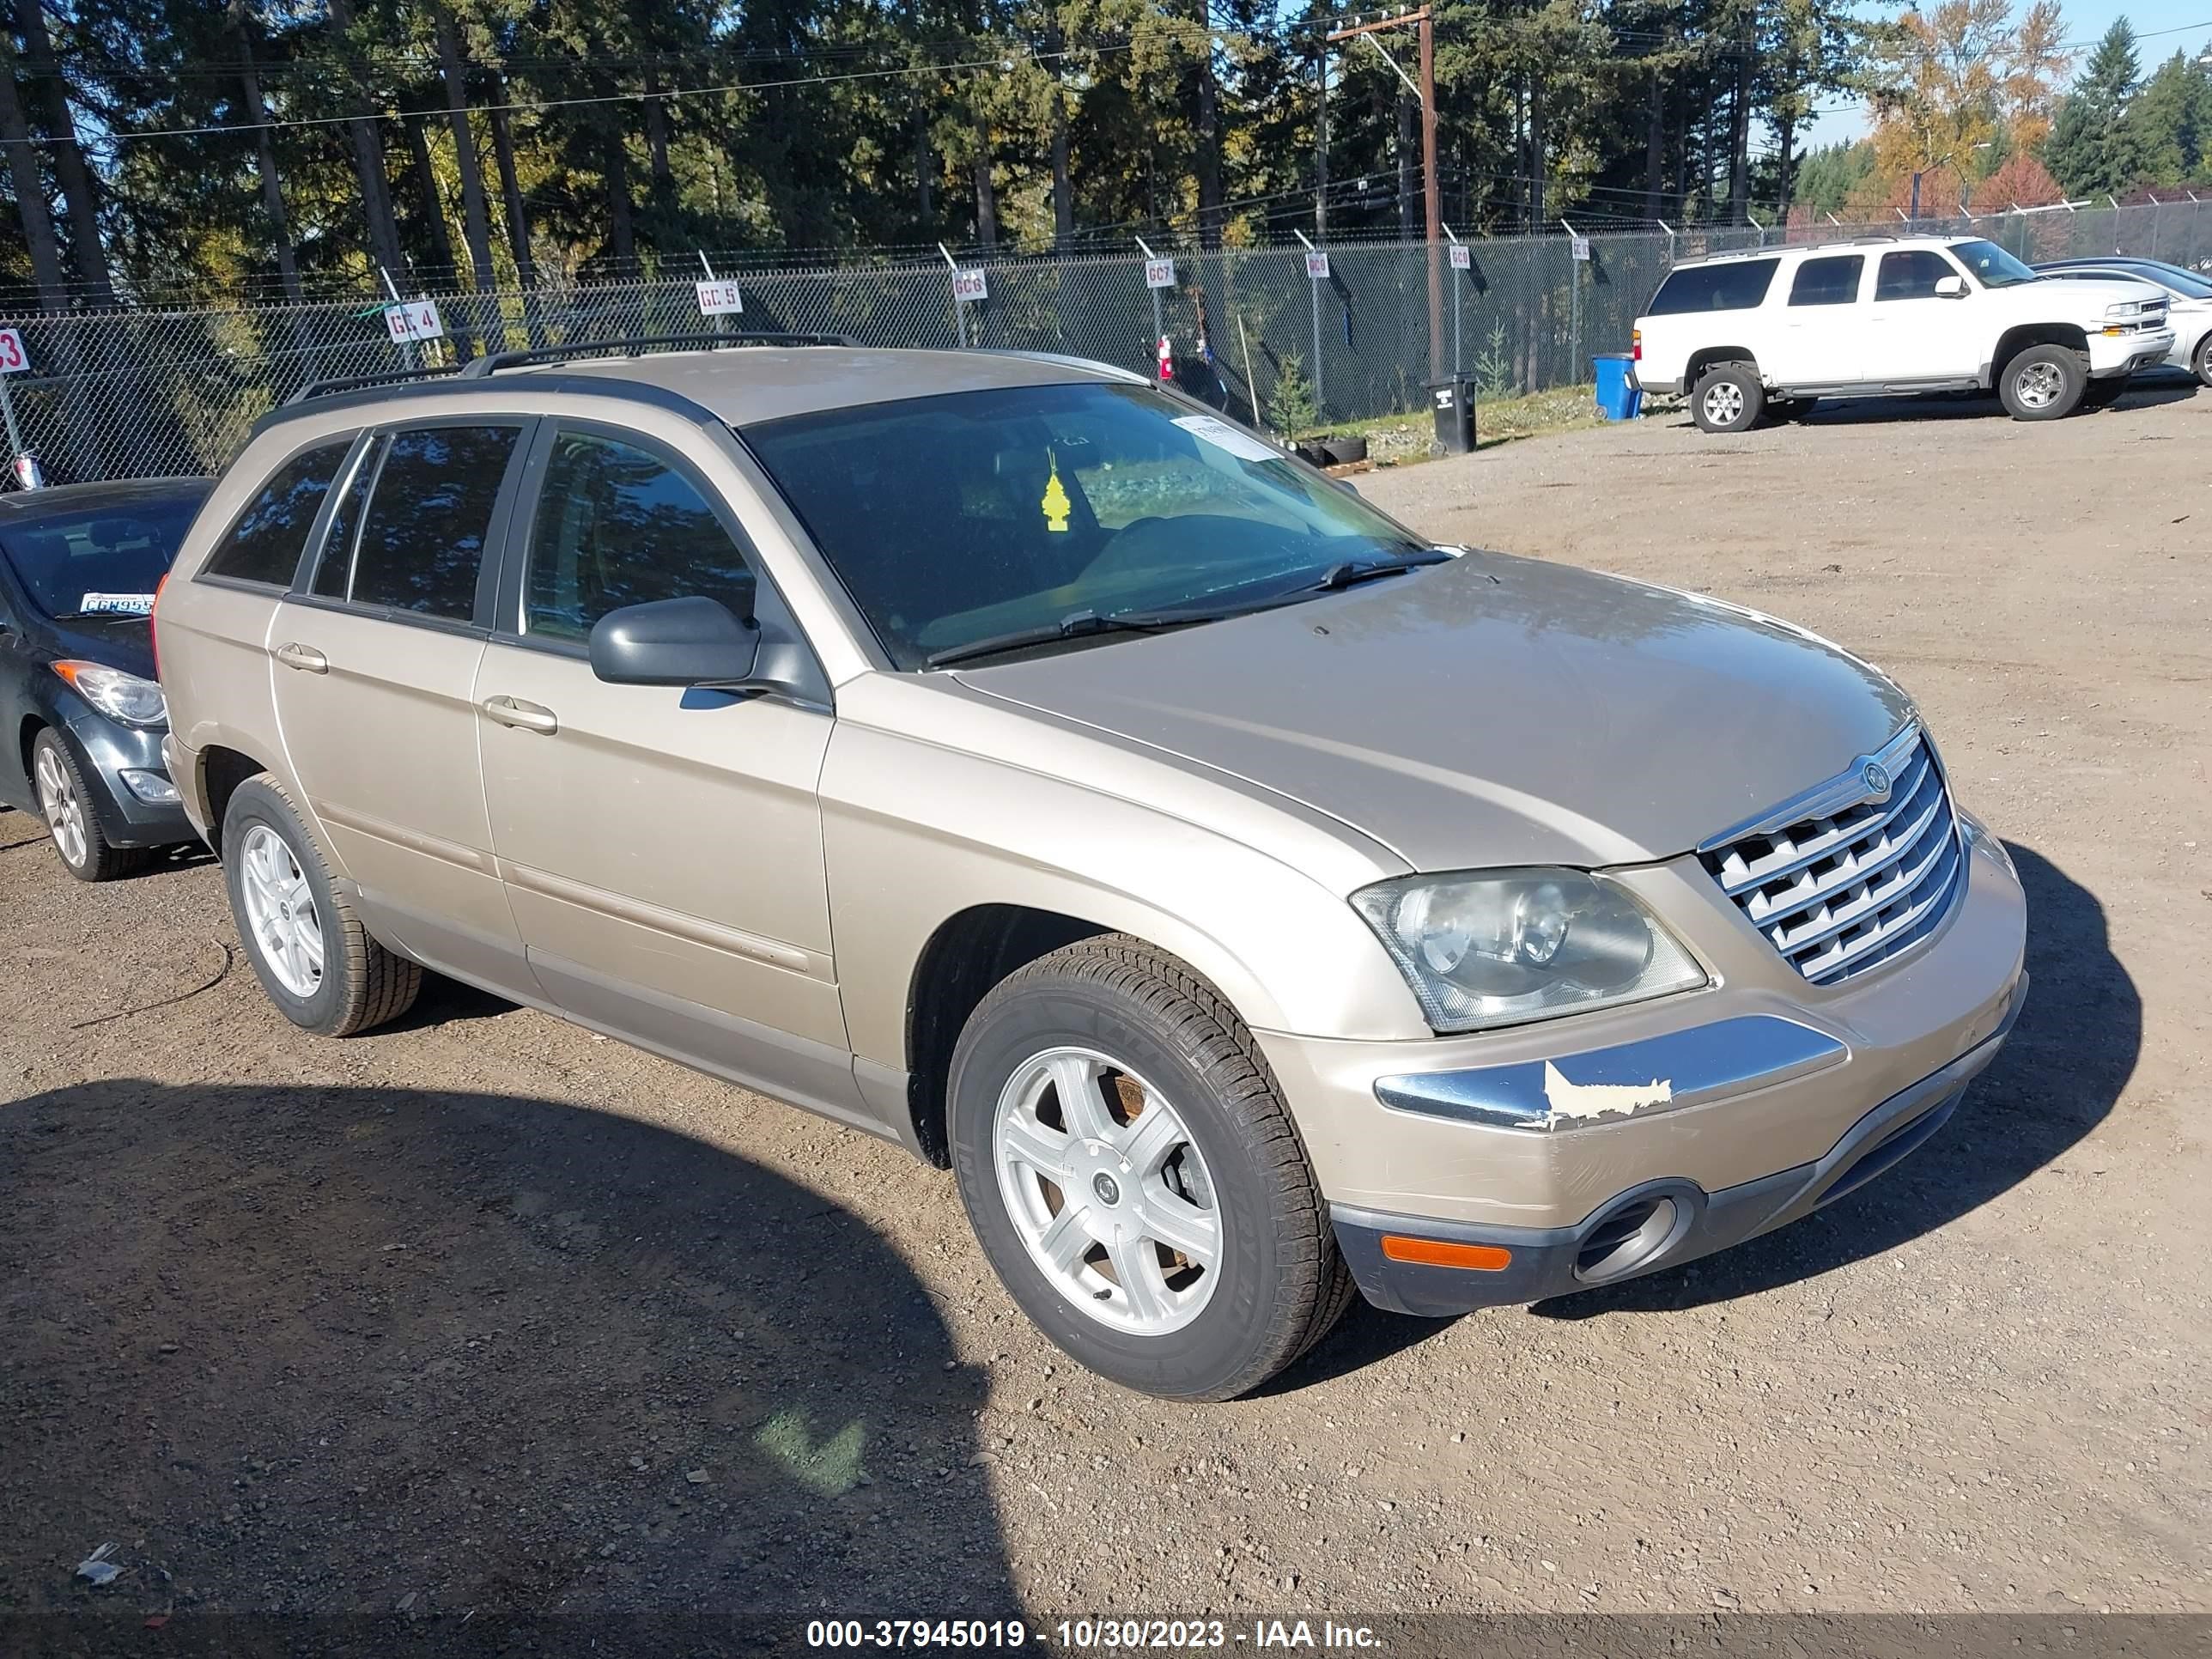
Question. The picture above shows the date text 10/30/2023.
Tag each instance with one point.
(1088, 1635)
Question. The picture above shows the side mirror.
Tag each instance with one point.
(688, 641)
(1950, 288)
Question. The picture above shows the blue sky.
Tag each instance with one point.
(2181, 24)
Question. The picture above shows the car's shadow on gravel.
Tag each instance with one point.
(341, 1369)
(2057, 1076)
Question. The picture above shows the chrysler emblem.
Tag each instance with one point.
(1876, 776)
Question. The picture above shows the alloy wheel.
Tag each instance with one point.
(59, 805)
(1107, 1191)
(280, 912)
(1723, 402)
(2039, 386)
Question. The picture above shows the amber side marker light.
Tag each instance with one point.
(1435, 1253)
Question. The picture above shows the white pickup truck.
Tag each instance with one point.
(1766, 331)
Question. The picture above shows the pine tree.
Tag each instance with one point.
(2093, 150)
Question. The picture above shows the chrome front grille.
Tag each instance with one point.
(1846, 877)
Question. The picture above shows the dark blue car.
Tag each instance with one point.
(82, 718)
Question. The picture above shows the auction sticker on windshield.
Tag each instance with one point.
(1222, 435)
(121, 604)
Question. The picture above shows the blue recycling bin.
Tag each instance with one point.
(1618, 398)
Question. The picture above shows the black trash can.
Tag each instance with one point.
(1453, 402)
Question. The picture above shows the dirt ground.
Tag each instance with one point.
(483, 1319)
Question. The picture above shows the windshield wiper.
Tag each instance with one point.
(1353, 572)
(1080, 624)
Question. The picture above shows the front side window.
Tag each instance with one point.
(1730, 285)
(1827, 281)
(422, 536)
(961, 519)
(265, 544)
(1991, 267)
(617, 525)
(103, 561)
(1911, 274)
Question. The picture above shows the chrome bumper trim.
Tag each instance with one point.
(1586, 1090)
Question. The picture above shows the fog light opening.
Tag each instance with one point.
(1625, 1238)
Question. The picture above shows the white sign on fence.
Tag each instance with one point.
(1317, 264)
(970, 286)
(13, 360)
(1159, 273)
(413, 319)
(1581, 247)
(1462, 257)
(719, 299)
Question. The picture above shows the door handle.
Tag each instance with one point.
(303, 656)
(524, 716)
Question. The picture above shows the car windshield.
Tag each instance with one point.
(100, 560)
(978, 516)
(2187, 283)
(1991, 265)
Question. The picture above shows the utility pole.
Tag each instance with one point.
(1425, 90)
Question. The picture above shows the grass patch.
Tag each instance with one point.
(1400, 439)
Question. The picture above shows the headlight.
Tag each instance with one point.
(1499, 949)
(119, 695)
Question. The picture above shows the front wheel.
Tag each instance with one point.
(65, 802)
(2044, 383)
(1134, 1178)
(1728, 398)
(2204, 360)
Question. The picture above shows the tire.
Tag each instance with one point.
(1259, 1280)
(2043, 383)
(1342, 451)
(2204, 361)
(66, 801)
(2103, 394)
(1728, 398)
(1312, 453)
(327, 975)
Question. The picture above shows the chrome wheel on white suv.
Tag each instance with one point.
(1728, 398)
(2044, 383)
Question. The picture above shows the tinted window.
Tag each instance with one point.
(1911, 275)
(108, 560)
(1731, 285)
(265, 544)
(964, 518)
(334, 571)
(422, 537)
(1827, 281)
(617, 525)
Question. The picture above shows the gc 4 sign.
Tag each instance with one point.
(1462, 257)
(13, 360)
(719, 299)
(1317, 264)
(1159, 273)
(970, 287)
(413, 319)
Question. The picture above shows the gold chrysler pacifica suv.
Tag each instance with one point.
(1248, 899)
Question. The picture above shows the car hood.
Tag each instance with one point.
(2083, 299)
(114, 642)
(1492, 711)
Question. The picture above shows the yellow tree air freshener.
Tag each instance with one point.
(1055, 503)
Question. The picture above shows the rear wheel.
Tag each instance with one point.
(1728, 398)
(2043, 383)
(312, 957)
(65, 803)
(1134, 1178)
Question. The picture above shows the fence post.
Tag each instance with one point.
(1313, 283)
(959, 312)
(1158, 328)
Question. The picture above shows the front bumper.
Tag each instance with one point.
(2111, 354)
(1656, 1224)
(105, 749)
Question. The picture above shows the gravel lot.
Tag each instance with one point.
(482, 1318)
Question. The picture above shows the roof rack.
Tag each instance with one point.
(637, 345)
(361, 382)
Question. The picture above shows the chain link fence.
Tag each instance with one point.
(135, 393)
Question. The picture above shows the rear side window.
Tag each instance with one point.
(617, 525)
(265, 544)
(422, 536)
(334, 573)
(1912, 274)
(1827, 281)
(1732, 285)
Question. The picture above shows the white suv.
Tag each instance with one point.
(1767, 332)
